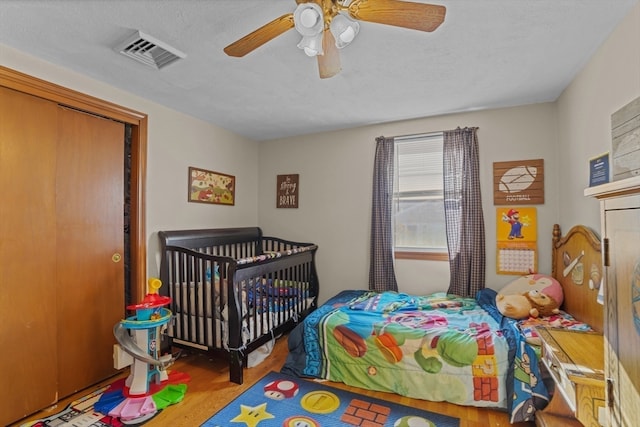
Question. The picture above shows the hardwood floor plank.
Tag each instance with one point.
(210, 390)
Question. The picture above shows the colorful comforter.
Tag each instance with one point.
(438, 347)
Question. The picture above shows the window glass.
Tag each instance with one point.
(419, 223)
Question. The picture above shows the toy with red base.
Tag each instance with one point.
(138, 342)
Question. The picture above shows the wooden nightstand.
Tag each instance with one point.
(575, 361)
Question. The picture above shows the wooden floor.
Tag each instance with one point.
(210, 390)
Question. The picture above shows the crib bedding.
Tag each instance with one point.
(267, 295)
(267, 303)
(215, 332)
(438, 347)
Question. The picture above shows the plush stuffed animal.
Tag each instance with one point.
(534, 295)
(532, 303)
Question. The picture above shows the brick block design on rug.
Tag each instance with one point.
(363, 413)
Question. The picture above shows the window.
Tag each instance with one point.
(418, 201)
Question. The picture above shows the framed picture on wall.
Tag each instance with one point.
(211, 187)
(287, 191)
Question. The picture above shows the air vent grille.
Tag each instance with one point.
(149, 50)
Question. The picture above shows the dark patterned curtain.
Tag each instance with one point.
(382, 276)
(463, 212)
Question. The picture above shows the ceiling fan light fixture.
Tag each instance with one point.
(312, 45)
(344, 30)
(308, 19)
(326, 26)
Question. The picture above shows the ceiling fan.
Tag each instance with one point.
(329, 25)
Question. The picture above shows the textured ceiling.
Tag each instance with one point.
(487, 54)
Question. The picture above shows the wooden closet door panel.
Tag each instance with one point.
(90, 288)
(623, 232)
(28, 358)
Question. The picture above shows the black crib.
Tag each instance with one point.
(232, 289)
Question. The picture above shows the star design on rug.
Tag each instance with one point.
(252, 415)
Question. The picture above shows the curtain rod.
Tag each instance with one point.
(415, 136)
(423, 135)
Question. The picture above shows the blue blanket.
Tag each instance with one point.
(527, 392)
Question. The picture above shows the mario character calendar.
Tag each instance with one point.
(516, 229)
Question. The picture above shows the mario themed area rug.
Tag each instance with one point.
(285, 401)
(111, 406)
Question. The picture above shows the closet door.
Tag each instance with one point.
(28, 355)
(622, 231)
(90, 246)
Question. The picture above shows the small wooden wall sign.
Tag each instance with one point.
(287, 191)
(520, 182)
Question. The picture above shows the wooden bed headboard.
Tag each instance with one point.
(577, 265)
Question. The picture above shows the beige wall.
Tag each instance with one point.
(175, 142)
(336, 172)
(610, 80)
(336, 168)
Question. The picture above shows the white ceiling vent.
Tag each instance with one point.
(148, 50)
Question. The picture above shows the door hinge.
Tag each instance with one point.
(609, 393)
(605, 244)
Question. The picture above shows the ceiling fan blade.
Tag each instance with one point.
(415, 16)
(260, 36)
(329, 63)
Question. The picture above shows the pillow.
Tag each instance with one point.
(535, 282)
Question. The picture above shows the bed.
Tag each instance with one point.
(443, 347)
(234, 291)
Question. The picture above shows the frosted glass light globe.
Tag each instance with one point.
(309, 18)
